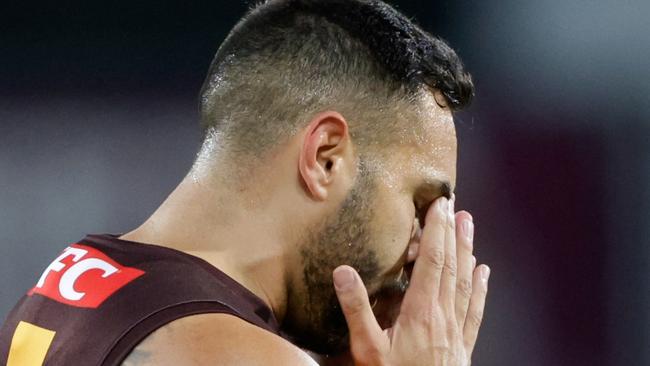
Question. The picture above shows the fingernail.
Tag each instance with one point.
(468, 229)
(485, 273)
(473, 261)
(343, 278)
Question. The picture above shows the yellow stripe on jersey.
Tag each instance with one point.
(29, 345)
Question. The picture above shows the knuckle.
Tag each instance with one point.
(450, 267)
(354, 305)
(428, 318)
(451, 332)
(438, 223)
(445, 353)
(451, 222)
(464, 288)
(435, 257)
(436, 215)
(452, 326)
(475, 318)
(432, 320)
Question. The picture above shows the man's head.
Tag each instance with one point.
(357, 101)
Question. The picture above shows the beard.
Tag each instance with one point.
(344, 238)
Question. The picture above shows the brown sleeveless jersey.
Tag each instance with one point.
(102, 296)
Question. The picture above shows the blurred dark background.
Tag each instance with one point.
(98, 123)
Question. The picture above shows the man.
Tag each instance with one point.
(318, 214)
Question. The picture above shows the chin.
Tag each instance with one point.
(330, 337)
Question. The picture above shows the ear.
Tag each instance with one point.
(326, 154)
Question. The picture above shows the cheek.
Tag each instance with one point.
(394, 230)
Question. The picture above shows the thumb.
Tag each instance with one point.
(365, 332)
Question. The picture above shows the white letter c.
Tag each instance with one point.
(66, 285)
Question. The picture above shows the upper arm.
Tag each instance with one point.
(215, 339)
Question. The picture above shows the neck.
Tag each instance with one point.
(235, 234)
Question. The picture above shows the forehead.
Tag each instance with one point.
(429, 150)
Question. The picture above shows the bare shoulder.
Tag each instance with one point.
(215, 339)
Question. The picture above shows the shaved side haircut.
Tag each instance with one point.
(288, 59)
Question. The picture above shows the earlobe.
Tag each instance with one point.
(324, 150)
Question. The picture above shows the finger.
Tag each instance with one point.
(464, 247)
(424, 284)
(476, 307)
(365, 332)
(449, 271)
